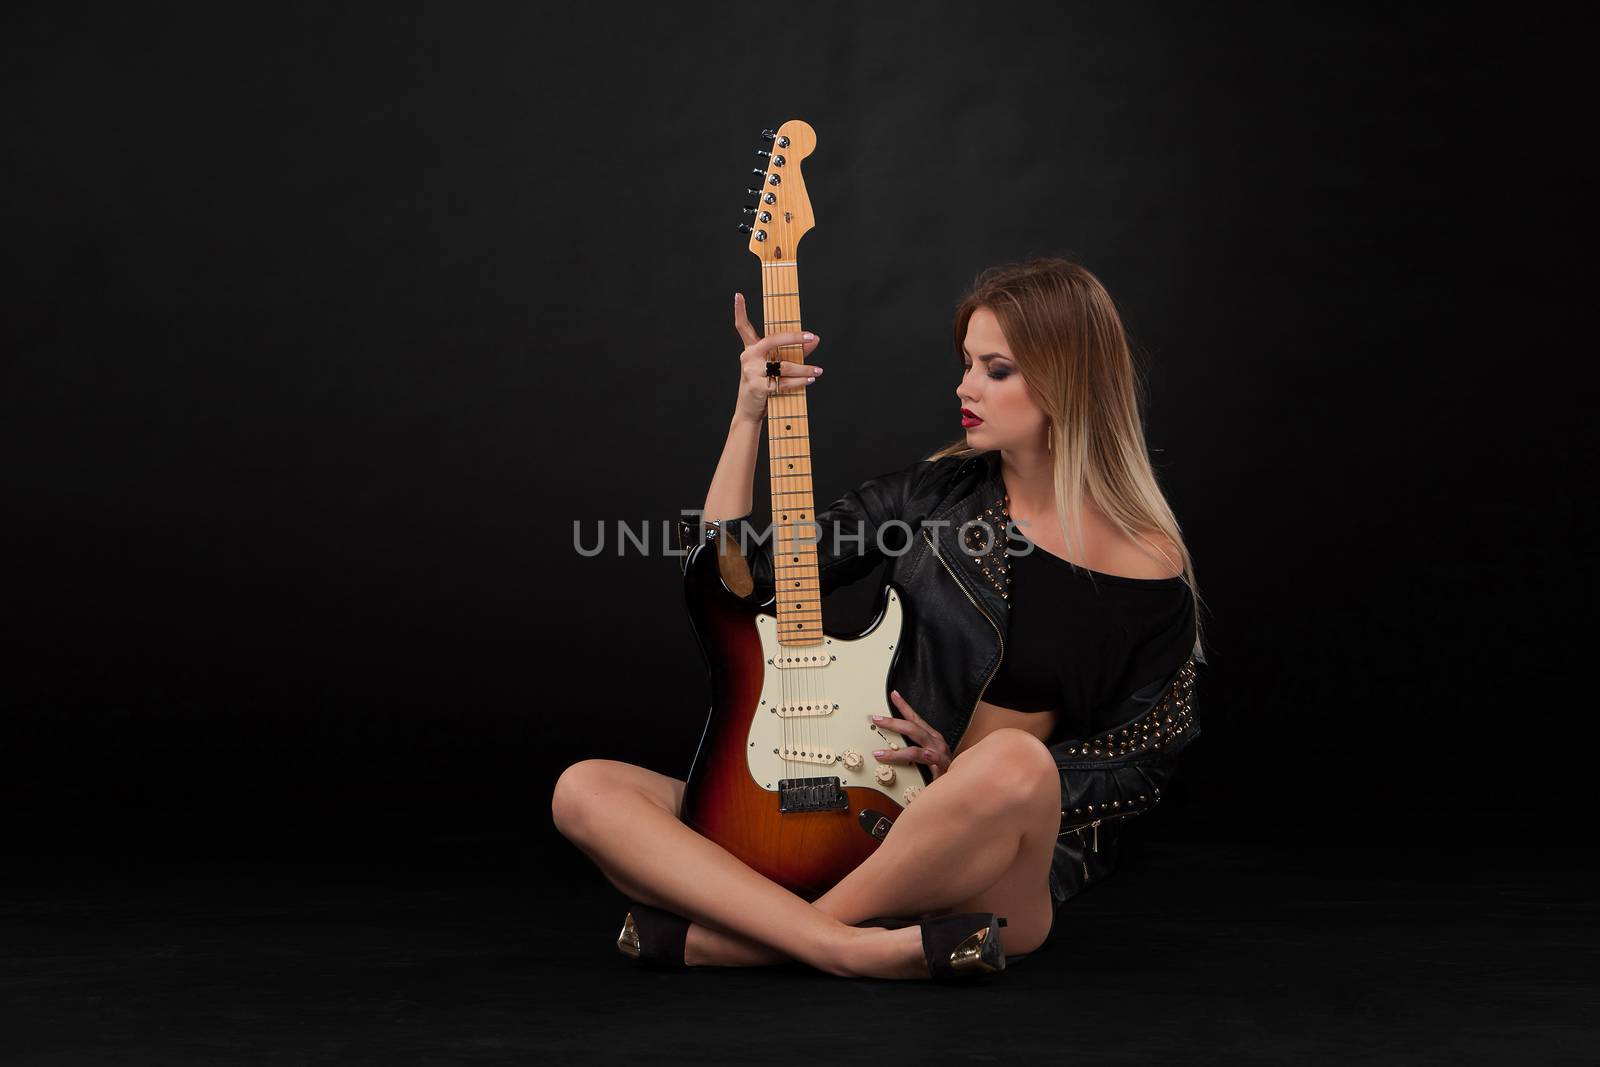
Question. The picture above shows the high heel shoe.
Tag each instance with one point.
(653, 937)
(956, 946)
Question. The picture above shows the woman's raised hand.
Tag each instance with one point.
(927, 744)
(753, 385)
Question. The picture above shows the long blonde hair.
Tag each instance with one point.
(1070, 345)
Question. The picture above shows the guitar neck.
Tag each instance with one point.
(794, 551)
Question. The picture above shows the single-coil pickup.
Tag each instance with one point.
(790, 657)
(801, 711)
(795, 755)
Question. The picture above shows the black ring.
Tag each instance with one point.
(774, 368)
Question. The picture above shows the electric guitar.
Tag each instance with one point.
(784, 776)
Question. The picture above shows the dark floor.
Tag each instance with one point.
(447, 948)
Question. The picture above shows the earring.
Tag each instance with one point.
(1048, 435)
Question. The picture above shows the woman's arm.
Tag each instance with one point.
(730, 491)
(847, 529)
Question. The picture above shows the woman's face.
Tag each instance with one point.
(992, 389)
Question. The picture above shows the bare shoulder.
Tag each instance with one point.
(1152, 555)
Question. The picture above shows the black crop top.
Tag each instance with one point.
(1080, 646)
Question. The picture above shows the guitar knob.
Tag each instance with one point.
(884, 773)
(851, 759)
(911, 793)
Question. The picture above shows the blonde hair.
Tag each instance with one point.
(1070, 345)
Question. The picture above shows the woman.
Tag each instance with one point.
(1077, 664)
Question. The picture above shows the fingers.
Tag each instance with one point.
(768, 347)
(909, 754)
(791, 368)
(752, 340)
(905, 709)
(741, 322)
(916, 731)
(913, 722)
(792, 376)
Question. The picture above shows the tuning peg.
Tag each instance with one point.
(744, 227)
(769, 134)
(777, 161)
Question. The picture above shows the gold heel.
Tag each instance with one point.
(652, 936)
(968, 956)
(954, 949)
(628, 940)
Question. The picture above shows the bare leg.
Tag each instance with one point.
(979, 838)
(985, 829)
(654, 858)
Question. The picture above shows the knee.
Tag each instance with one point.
(574, 799)
(1014, 770)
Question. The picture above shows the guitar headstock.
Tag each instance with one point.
(782, 212)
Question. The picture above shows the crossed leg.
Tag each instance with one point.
(980, 837)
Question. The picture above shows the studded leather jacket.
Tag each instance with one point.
(956, 615)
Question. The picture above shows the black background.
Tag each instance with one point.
(324, 325)
(324, 328)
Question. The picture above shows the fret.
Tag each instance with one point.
(770, 296)
(783, 322)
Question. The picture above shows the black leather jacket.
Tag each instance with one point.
(956, 620)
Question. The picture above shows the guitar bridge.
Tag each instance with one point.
(811, 794)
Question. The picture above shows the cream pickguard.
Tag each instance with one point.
(813, 721)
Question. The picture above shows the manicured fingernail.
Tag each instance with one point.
(875, 718)
(809, 336)
(877, 752)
